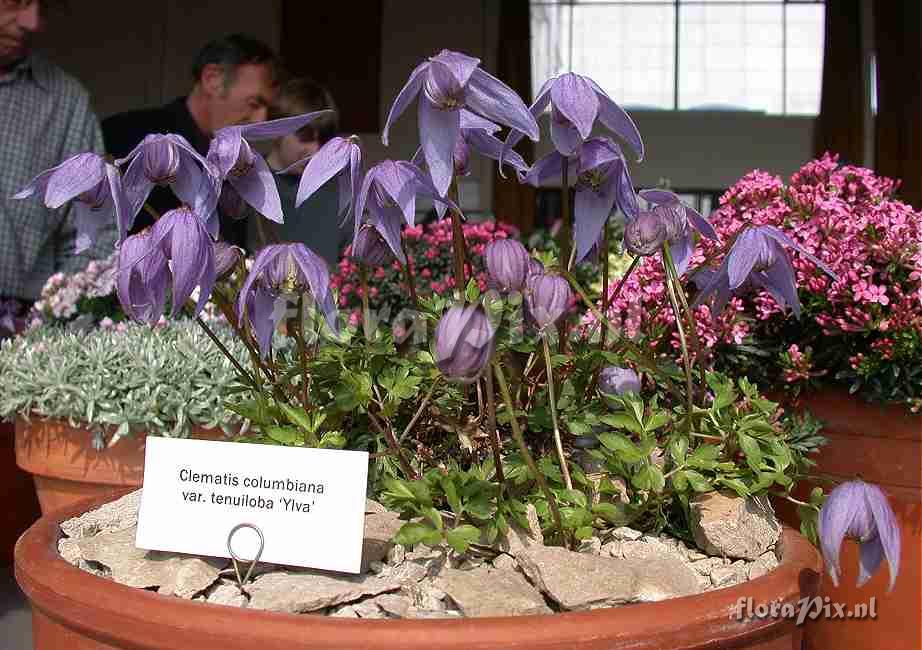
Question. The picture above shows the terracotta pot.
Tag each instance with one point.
(20, 507)
(882, 444)
(67, 469)
(79, 611)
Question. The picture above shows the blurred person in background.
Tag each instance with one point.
(234, 80)
(45, 118)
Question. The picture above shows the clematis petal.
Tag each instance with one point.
(87, 222)
(565, 136)
(397, 179)
(281, 127)
(120, 205)
(835, 519)
(224, 149)
(264, 258)
(597, 152)
(781, 238)
(870, 555)
(742, 257)
(475, 122)
(264, 317)
(388, 226)
(627, 199)
(318, 279)
(542, 99)
(681, 252)
(66, 181)
(712, 281)
(406, 95)
(331, 159)
(888, 531)
(548, 169)
(492, 147)
(442, 87)
(258, 188)
(618, 121)
(659, 197)
(361, 200)
(494, 100)
(591, 210)
(576, 101)
(439, 130)
(137, 186)
(782, 279)
(461, 66)
(700, 224)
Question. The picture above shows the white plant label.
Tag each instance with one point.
(309, 504)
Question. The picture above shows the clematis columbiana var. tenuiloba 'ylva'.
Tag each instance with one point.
(757, 259)
(340, 158)
(94, 185)
(679, 220)
(602, 181)
(445, 84)
(281, 269)
(388, 196)
(464, 341)
(860, 511)
(576, 103)
(508, 264)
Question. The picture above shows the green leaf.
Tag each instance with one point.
(413, 532)
(399, 489)
(736, 485)
(655, 421)
(461, 537)
(679, 481)
(451, 495)
(622, 421)
(704, 457)
(610, 512)
(574, 496)
(678, 448)
(472, 292)
(650, 477)
(622, 447)
(583, 532)
(750, 447)
(297, 416)
(480, 507)
(284, 435)
(432, 515)
(698, 482)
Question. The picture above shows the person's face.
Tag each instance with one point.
(19, 21)
(292, 148)
(245, 100)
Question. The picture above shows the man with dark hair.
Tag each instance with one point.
(45, 118)
(234, 80)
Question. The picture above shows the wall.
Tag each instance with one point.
(138, 54)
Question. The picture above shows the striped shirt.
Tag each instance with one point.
(45, 118)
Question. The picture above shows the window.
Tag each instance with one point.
(757, 55)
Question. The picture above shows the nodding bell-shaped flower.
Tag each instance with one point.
(445, 84)
(169, 160)
(283, 269)
(508, 264)
(547, 298)
(576, 103)
(94, 185)
(646, 234)
(860, 511)
(369, 247)
(182, 237)
(340, 158)
(388, 195)
(614, 380)
(602, 181)
(246, 170)
(226, 258)
(464, 341)
(758, 260)
(143, 277)
(680, 219)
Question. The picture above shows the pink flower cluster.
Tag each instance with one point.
(430, 258)
(62, 293)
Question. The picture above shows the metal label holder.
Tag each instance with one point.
(237, 560)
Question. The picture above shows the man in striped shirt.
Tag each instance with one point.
(45, 117)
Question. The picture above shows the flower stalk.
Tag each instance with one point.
(558, 443)
(366, 311)
(493, 432)
(457, 236)
(677, 312)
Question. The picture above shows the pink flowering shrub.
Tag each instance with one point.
(863, 330)
(429, 253)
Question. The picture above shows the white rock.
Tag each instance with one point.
(309, 591)
(728, 525)
(491, 592)
(108, 518)
(623, 533)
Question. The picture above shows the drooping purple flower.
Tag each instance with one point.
(94, 185)
(186, 243)
(576, 103)
(547, 298)
(507, 264)
(860, 511)
(369, 247)
(614, 380)
(388, 195)
(143, 277)
(464, 343)
(680, 219)
(169, 160)
(226, 258)
(246, 170)
(445, 84)
(283, 269)
(757, 259)
(331, 160)
(602, 181)
(645, 234)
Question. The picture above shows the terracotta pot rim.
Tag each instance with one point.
(20, 420)
(86, 602)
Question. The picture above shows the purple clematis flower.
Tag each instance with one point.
(283, 269)
(860, 511)
(246, 170)
(226, 258)
(97, 188)
(645, 234)
(508, 264)
(547, 298)
(332, 160)
(143, 277)
(615, 380)
(185, 242)
(680, 220)
(757, 260)
(477, 134)
(600, 175)
(388, 194)
(576, 103)
(464, 341)
(446, 83)
(369, 247)
(169, 159)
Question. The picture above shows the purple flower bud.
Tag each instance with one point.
(618, 381)
(369, 247)
(463, 343)
(646, 234)
(860, 511)
(547, 298)
(143, 277)
(507, 264)
(226, 258)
